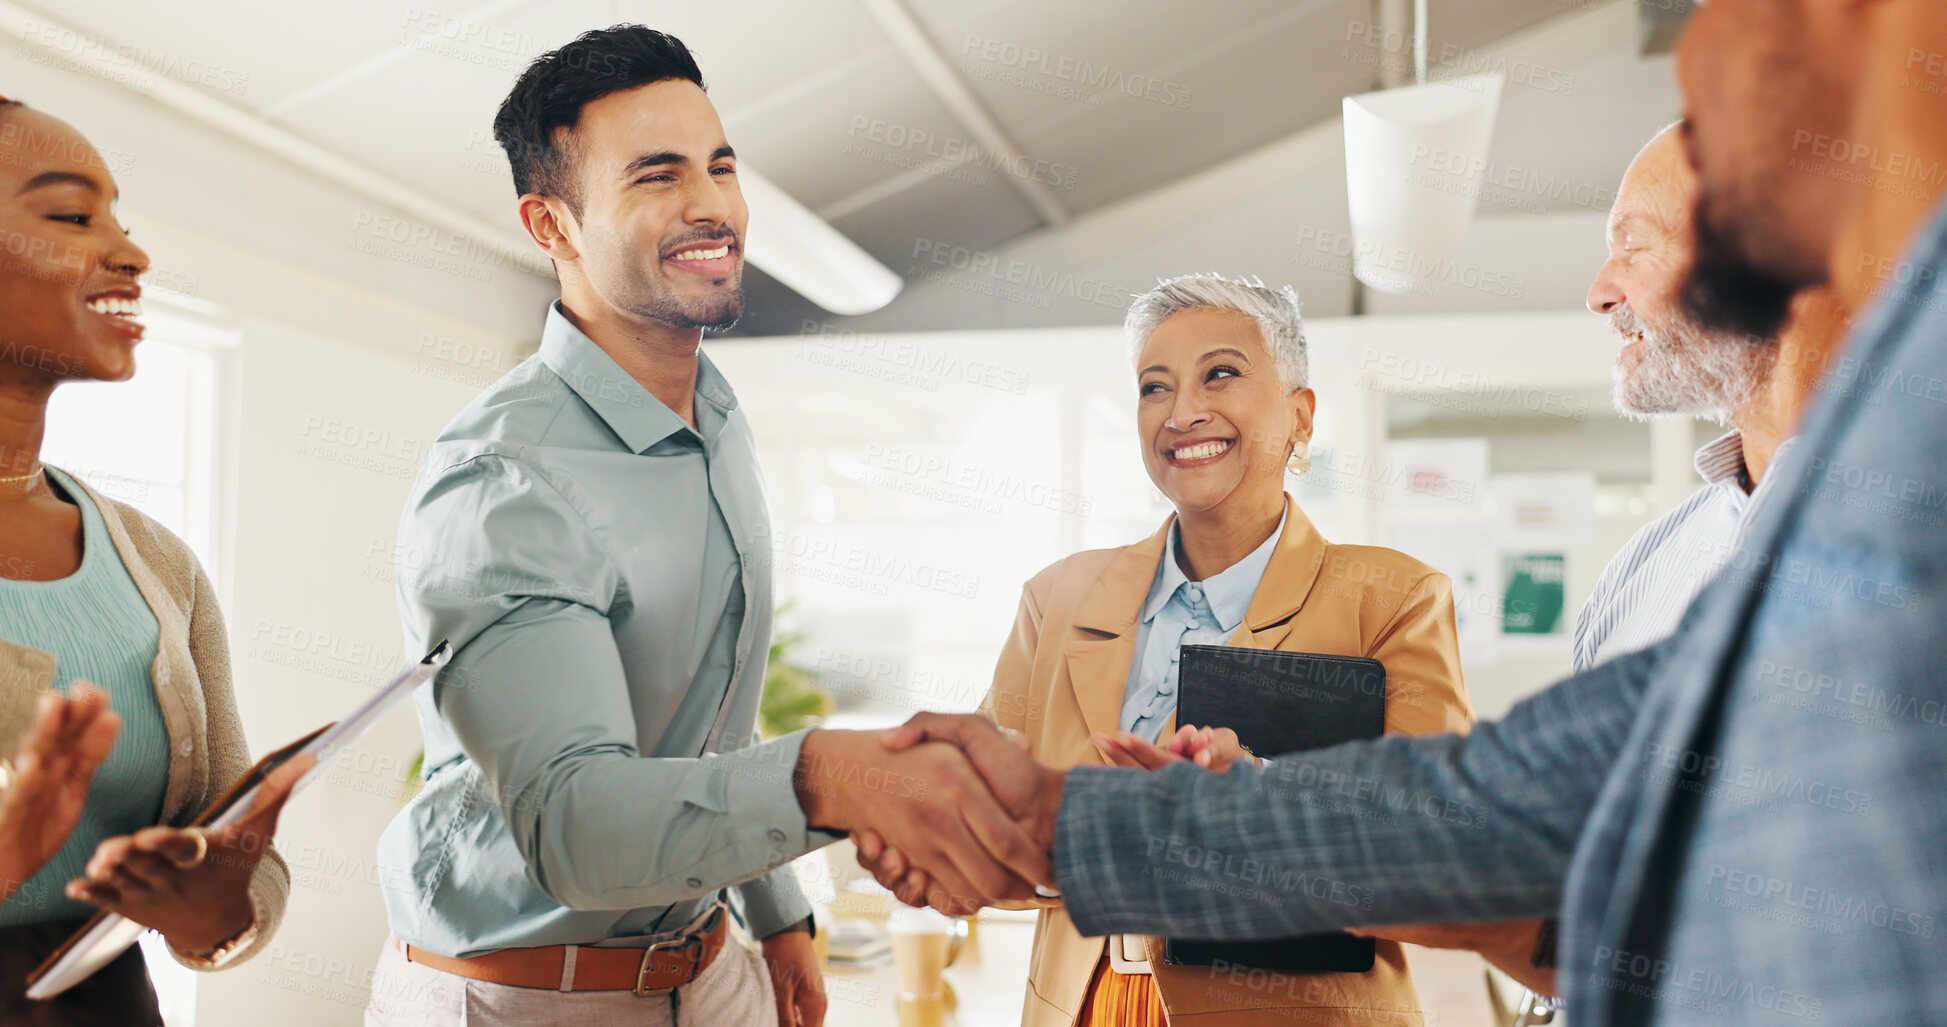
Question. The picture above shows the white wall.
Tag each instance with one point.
(893, 456)
(327, 438)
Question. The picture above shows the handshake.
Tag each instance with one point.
(948, 810)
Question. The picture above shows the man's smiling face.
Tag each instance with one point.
(661, 219)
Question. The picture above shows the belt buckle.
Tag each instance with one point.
(642, 972)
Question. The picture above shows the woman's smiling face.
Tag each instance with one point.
(67, 269)
(1215, 421)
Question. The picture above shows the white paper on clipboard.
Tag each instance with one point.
(107, 937)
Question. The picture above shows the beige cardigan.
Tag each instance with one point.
(192, 685)
(1062, 676)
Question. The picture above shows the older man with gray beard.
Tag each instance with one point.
(1670, 366)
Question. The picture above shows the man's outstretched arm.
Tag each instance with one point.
(1394, 830)
(601, 826)
(538, 699)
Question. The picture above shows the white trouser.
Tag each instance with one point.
(734, 990)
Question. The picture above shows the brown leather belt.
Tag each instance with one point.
(661, 967)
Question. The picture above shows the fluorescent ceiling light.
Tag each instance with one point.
(806, 253)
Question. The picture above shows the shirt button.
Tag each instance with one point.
(1175, 656)
(1193, 625)
(777, 836)
(694, 882)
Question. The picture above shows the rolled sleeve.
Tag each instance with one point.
(773, 903)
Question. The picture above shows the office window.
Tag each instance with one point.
(151, 442)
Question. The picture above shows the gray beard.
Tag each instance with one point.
(1689, 370)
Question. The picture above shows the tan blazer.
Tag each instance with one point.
(1062, 676)
(191, 674)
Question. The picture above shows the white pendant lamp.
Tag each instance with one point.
(1414, 159)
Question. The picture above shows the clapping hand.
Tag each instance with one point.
(1029, 792)
(1213, 749)
(42, 803)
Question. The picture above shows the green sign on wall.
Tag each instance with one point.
(1531, 604)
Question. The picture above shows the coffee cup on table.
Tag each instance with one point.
(924, 943)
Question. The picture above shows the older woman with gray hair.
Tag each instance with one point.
(1224, 413)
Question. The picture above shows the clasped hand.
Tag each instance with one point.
(949, 792)
(1212, 748)
(920, 870)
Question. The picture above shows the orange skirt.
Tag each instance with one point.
(1122, 1000)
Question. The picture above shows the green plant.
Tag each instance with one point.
(792, 698)
(412, 783)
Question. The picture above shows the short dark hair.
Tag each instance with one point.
(553, 90)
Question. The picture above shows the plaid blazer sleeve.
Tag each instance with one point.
(1399, 829)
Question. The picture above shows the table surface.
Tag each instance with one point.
(985, 985)
(988, 982)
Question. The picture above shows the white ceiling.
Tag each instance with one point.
(385, 85)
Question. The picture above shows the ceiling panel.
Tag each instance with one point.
(1611, 107)
(279, 49)
(850, 134)
(425, 116)
(1194, 83)
(1035, 63)
(1261, 87)
(756, 53)
(1476, 23)
(814, 95)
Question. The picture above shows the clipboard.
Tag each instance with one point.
(107, 935)
(1280, 703)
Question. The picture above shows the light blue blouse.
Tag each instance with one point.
(1180, 612)
(100, 629)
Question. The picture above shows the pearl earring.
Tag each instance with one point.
(1300, 461)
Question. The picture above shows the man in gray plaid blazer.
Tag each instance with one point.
(1748, 822)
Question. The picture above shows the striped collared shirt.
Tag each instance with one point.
(1645, 589)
